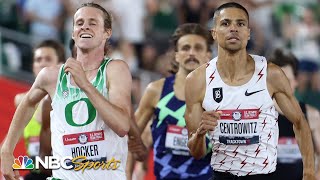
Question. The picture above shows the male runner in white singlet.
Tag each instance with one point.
(231, 98)
(91, 105)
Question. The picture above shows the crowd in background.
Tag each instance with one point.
(142, 29)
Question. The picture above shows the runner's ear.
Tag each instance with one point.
(213, 33)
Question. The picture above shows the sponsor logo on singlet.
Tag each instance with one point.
(217, 94)
(251, 93)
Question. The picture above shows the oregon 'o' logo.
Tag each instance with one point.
(92, 113)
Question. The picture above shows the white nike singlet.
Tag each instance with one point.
(245, 139)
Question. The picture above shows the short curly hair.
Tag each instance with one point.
(191, 28)
(282, 57)
(186, 29)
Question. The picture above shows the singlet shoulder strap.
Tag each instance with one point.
(167, 86)
(101, 75)
(61, 85)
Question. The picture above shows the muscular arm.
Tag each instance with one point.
(115, 111)
(280, 89)
(142, 115)
(148, 103)
(137, 149)
(136, 145)
(142, 167)
(24, 112)
(134, 131)
(45, 133)
(313, 116)
(20, 119)
(194, 91)
(17, 100)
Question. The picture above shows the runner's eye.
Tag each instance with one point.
(224, 23)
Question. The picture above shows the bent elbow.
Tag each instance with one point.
(123, 131)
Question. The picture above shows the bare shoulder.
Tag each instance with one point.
(155, 88)
(153, 92)
(197, 78)
(196, 84)
(118, 66)
(18, 98)
(49, 73)
(149, 102)
(44, 84)
(47, 79)
(274, 71)
(118, 71)
(276, 79)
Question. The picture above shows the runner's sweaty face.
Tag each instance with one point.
(88, 31)
(231, 29)
(192, 51)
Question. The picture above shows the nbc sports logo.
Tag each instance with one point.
(67, 163)
(23, 162)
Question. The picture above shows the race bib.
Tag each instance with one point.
(288, 150)
(239, 127)
(34, 146)
(176, 140)
(88, 144)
